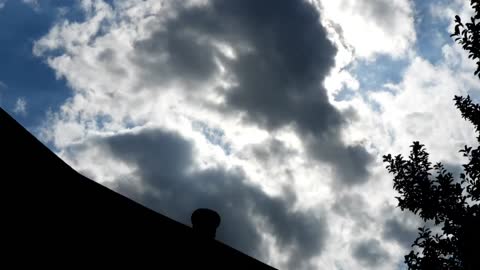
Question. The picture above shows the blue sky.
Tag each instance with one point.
(24, 75)
(283, 110)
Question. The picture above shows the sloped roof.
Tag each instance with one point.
(51, 213)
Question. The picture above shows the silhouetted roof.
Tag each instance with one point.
(53, 214)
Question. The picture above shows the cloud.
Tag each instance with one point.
(423, 102)
(400, 231)
(353, 207)
(271, 152)
(277, 70)
(370, 252)
(32, 3)
(240, 90)
(373, 27)
(171, 184)
(20, 106)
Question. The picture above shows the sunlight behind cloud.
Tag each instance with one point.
(373, 27)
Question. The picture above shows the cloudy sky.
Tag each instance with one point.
(274, 113)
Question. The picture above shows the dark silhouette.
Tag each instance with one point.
(448, 203)
(451, 204)
(468, 34)
(52, 215)
(205, 222)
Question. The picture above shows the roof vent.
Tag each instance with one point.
(205, 222)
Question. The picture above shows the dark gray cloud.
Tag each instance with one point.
(168, 184)
(350, 161)
(175, 54)
(283, 56)
(398, 230)
(354, 207)
(400, 226)
(270, 152)
(370, 253)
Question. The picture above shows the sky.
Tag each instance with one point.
(274, 113)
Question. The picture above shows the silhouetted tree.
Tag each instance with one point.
(468, 34)
(435, 195)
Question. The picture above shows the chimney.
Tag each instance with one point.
(205, 222)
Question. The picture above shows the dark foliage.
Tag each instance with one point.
(435, 195)
(468, 34)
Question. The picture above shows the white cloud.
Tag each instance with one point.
(33, 4)
(373, 27)
(420, 107)
(20, 106)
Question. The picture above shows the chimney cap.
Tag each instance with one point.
(205, 221)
